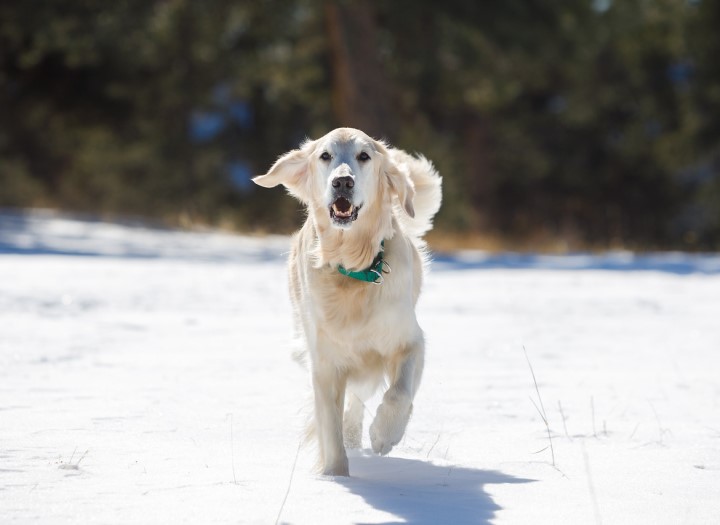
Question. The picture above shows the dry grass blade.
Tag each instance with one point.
(591, 486)
(541, 409)
(232, 450)
(70, 465)
(564, 419)
(287, 492)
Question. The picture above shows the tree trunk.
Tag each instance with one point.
(479, 166)
(361, 95)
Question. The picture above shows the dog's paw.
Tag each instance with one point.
(389, 425)
(352, 436)
(339, 468)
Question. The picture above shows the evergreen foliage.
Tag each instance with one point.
(591, 121)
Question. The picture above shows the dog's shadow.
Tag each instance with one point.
(422, 493)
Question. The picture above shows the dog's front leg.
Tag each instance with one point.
(394, 412)
(329, 390)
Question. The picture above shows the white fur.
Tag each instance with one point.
(357, 333)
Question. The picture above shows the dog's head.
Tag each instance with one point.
(343, 176)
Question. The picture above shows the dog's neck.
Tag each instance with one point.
(356, 247)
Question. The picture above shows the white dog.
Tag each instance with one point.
(356, 269)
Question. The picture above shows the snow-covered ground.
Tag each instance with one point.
(145, 377)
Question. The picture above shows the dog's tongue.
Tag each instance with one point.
(342, 205)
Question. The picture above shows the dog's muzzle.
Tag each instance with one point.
(342, 209)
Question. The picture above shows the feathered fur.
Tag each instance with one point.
(357, 333)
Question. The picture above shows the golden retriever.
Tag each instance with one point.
(356, 268)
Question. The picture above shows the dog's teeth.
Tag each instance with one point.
(343, 214)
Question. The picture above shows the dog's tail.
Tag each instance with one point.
(428, 192)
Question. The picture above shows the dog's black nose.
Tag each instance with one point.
(344, 183)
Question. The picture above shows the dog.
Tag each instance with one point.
(355, 272)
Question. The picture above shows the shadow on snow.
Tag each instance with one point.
(677, 263)
(421, 492)
(47, 233)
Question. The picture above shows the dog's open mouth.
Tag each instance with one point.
(342, 211)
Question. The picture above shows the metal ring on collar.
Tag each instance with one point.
(382, 279)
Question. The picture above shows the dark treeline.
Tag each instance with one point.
(592, 121)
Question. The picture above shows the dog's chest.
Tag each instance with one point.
(347, 304)
(361, 316)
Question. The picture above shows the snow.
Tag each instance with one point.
(145, 377)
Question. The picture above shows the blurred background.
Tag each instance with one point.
(577, 124)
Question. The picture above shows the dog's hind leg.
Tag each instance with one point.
(353, 421)
(329, 391)
(394, 412)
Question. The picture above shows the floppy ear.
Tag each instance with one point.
(401, 185)
(290, 170)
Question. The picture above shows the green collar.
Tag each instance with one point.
(373, 274)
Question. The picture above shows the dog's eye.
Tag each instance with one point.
(325, 156)
(363, 157)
